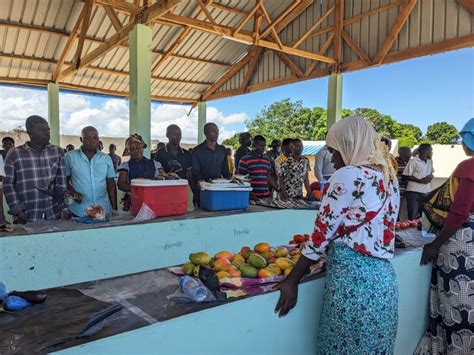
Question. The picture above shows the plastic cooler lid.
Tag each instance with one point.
(150, 183)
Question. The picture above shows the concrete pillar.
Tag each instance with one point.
(140, 82)
(334, 99)
(202, 109)
(53, 112)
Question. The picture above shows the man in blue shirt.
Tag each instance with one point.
(91, 175)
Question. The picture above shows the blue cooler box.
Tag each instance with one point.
(225, 200)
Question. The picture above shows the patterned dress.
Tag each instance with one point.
(356, 223)
(293, 173)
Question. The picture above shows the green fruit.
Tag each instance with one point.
(257, 261)
(238, 264)
(196, 270)
(188, 268)
(212, 262)
(200, 258)
(249, 271)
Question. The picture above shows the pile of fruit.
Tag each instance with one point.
(299, 239)
(262, 261)
(408, 224)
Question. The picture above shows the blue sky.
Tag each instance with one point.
(420, 91)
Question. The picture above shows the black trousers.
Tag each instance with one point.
(415, 202)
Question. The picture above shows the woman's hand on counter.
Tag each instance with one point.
(430, 253)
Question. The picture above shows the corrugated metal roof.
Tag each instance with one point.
(33, 34)
(311, 149)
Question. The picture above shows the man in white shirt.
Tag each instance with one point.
(323, 167)
(418, 173)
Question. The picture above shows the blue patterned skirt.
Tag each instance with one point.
(360, 305)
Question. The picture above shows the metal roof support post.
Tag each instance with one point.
(334, 98)
(53, 112)
(202, 112)
(140, 82)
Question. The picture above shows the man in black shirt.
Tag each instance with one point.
(245, 140)
(172, 157)
(210, 158)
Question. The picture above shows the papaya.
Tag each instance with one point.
(264, 273)
(222, 265)
(295, 258)
(237, 264)
(284, 263)
(261, 247)
(224, 255)
(245, 251)
(234, 272)
(281, 252)
(200, 258)
(258, 261)
(269, 257)
(249, 271)
(188, 268)
(295, 252)
(274, 268)
(287, 271)
(222, 274)
(239, 258)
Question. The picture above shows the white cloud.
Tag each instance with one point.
(109, 116)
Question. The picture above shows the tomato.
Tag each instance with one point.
(298, 238)
(405, 225)
(398, 226)
(414, 224)
(306, 237)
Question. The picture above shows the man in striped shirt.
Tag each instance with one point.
(259, 169)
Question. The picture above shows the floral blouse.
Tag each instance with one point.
(360, 211)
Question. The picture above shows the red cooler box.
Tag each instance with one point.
(164, 197)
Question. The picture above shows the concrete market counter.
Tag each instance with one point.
(248, 325)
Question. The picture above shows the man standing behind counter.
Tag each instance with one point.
(35, 184)
(91, 175)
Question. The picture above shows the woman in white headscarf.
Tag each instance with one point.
(355, 226)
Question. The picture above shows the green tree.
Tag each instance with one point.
(441, 133)
(385, 125)
(232, 141)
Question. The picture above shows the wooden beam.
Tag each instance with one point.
(120, 5)
(228, 33)
(69, 43)
(149, 15)
(206, 11)
(290, 64)
(467, 4)
(228, 9)
(324, 48)
(280, 18)
(113, 17)
(298, 10)
(24, 81)
(171, 49)
(338, 28)
(313, 27)
(85, 26)
(360, 52)
(251, 68)
(27, 58)
(247, 18)
(394, 31)
(227, 75)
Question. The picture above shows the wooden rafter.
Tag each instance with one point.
(280, 18)
(121, 36)
(338, 28)
(313, 27)
(84, 27)
(251, 69)
(360, 52)
(113, 17)
(247, 18)
(171, 49)
(274, 33)
(69, 43)
(120, 5)
(206, 11)
(324, 48)
(290, 64)
(394, 31)
(228, 74)
(298, 10)
(228, 9)
(228, 33)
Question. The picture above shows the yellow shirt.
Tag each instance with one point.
(230, 165)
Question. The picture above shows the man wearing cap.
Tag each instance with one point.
(245, 140)
(91, 175)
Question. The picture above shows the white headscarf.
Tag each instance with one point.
(359, 144)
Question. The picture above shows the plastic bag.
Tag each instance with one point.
(145, 214)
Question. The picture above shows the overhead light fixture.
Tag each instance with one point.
(236, 39)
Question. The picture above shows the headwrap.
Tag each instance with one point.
(467, 134)
(135, 138)
(359, 144)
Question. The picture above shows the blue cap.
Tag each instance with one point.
(467, 134)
